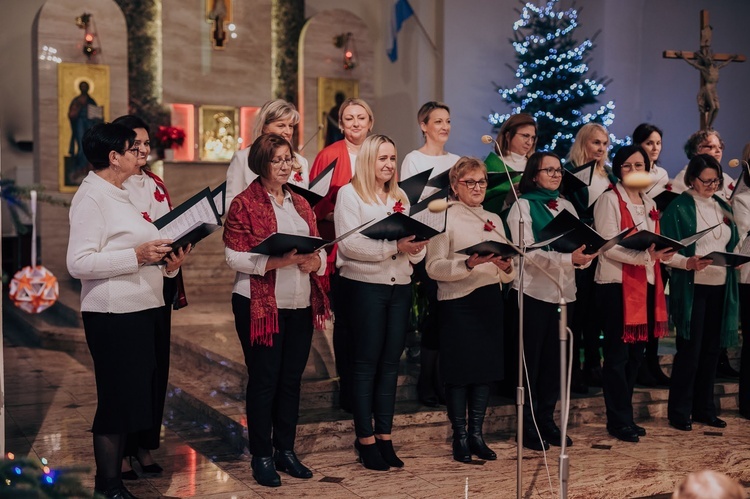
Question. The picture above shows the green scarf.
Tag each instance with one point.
(540, 213)
(494, 198)
(678, 222)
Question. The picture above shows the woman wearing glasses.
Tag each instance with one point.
(630, 289)
(376, 281)
(470, 307)
(705, 142)
(275, 327)
(149, 195)
(119, 258)
(517, 140)
(703, 299)
(539, 204)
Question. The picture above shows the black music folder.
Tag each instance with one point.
(310, 196)
(414, 185)
(190, 222)
(576, 234)
(578, 178)
(279, 244)
(397, 226)
(721, 259)
(220, 198)
(502, 249)
(643, 239)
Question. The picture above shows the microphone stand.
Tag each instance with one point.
(563, 324)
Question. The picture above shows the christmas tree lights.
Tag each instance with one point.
(553, 86)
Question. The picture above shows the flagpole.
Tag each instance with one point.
(419, 23)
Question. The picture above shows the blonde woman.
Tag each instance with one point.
(277, 116)
(376, 283)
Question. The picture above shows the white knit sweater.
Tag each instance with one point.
(105, 229)
(448, 268)
(360, 258)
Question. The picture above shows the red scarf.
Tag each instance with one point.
(635, 291)
(180, 299)
(251, 219)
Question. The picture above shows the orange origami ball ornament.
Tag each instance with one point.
(34, 289)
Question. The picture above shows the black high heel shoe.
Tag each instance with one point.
(151, 469)
(370, 457)
(388, 454)
(130, 474)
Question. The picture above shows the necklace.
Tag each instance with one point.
(718, 220)
(640, 210)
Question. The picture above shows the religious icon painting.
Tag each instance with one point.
(218, 131)
(83, 101)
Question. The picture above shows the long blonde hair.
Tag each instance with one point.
(363, 180)
(577, 153)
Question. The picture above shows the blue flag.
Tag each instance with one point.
(401, 12)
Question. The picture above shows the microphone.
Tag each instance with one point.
(320, 127)
(439, 205)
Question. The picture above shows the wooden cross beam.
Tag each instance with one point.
(709, 65)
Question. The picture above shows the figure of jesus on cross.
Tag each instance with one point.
(709, 65)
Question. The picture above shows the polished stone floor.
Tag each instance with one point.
(50, 402)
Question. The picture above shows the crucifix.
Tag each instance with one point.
(709, 65)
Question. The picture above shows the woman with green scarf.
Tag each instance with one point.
(540, 202)
(703, 298)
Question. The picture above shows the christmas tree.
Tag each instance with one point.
(553, 84)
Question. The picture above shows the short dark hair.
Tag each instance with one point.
(643, 131)
(527, 183)
(103, 138)
(623, 154)
(699, 163)
(262, 151)
(131, 121)
(691, 146)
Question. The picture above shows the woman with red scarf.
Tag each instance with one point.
(288, 299)
(630, 289)
(149, 195)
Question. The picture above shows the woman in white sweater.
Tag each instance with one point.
(540, 203)
(741, 206)
(376, 281)
(470, 308)
(276, 116)
(629, 291)
(116, 254)
(703, 299)
(434, 119)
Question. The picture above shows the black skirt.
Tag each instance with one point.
(122, 347)
(471, 337)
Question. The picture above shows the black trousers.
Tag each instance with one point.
(744, 393)
(274, 377)
(342, 344)
(378, 320)
(621, 360)
(691, 389)
(541, 350)
(149, 439)
(585, 323)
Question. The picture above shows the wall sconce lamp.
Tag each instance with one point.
(345, 41)
(84, 21)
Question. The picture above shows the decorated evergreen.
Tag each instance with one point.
(32, 478)
(553, 83)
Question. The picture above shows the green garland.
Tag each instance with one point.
(287, 19)
(144, 56)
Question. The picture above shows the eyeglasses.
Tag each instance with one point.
(633, 166)
(712, 182)
(471, 184)
(278, 161)
(552, 172)
(710, 147)
(527, 137)
(133, 150)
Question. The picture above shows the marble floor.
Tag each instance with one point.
(50, 402)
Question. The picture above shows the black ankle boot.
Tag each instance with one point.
(388, 454)
(264, 471)
(479, 395)
(286, 460)
(455, 400)
(370, 457)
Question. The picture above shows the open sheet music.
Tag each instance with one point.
(191, 221)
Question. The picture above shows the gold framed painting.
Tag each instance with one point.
(82, 102)
(331, 93)
(218, 130)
